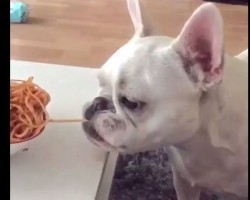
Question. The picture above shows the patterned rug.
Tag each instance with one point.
(146, 176)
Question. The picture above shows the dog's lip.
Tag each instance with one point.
(96, 138)
(107, 146)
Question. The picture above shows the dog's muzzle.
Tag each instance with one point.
(91, 132)
(98, 105)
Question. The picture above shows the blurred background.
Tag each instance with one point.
(87, 32)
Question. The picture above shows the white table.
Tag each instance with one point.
(62, 164)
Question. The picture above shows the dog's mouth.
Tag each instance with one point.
(94, 137)
(91, 132)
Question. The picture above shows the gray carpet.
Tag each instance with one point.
(145, 176)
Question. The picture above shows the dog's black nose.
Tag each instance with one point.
(99, 104)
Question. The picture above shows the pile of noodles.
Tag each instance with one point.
(28, 115)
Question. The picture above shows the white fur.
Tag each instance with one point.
(199, 115)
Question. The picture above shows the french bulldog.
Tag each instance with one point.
(184, 94)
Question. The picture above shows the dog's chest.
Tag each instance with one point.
(207, 171)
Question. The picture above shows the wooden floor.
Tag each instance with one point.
(87, 32)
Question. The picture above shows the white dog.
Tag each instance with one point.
(184, 94)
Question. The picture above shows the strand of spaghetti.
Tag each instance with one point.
(32, 109)
(19, 80)
(67, 120)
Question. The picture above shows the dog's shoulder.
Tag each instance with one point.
(236, 70)
(234, 120)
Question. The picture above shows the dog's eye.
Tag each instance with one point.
(132, 105)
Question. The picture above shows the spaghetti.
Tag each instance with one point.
(28, 115)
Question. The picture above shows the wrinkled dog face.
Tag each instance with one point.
(150, 89)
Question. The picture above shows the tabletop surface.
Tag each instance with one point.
(62, 164)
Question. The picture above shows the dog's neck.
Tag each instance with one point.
(221, 120)
(211, 108)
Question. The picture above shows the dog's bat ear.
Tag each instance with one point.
(142, 23)
(200, 45)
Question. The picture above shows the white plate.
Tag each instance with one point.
(62, 164)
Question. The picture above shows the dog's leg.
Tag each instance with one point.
(183, 188)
